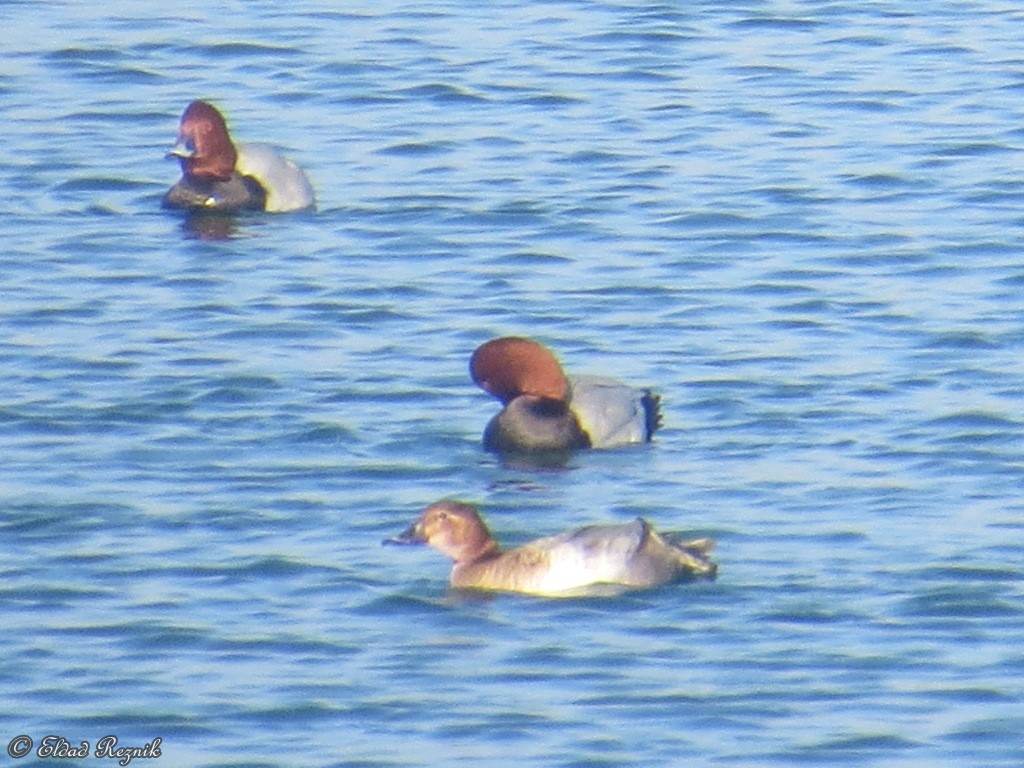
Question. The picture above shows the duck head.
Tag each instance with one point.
(453, 528)
(204, 146)
(512, 366)
(528, 379)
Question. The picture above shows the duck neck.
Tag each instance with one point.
(488, 550)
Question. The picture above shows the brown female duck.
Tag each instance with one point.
(628, 555)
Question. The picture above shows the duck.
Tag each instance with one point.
(592, 560)
(219, 175)
(544, 410)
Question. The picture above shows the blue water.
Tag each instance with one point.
(800, 222)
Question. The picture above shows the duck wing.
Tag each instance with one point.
(594, 554)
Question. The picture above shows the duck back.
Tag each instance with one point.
(286, 185)
(613, 413)
(629, 555)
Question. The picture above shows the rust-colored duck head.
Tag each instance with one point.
(204, 146)
(512, 366)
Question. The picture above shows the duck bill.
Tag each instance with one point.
(183, 149)
(411, 535)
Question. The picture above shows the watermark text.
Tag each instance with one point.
(62, 749)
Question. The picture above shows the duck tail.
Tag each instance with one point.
(652, 412)
(694, 555)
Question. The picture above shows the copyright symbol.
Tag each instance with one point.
(19, 746)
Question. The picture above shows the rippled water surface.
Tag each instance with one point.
(800, 221)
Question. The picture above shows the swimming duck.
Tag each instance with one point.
(545, 410)
(217, 175)
(580, 561)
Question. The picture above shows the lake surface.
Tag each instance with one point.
(801, 222)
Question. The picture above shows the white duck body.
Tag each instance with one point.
(286, 185)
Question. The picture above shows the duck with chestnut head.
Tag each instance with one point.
(219, 175)
(544, 410)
